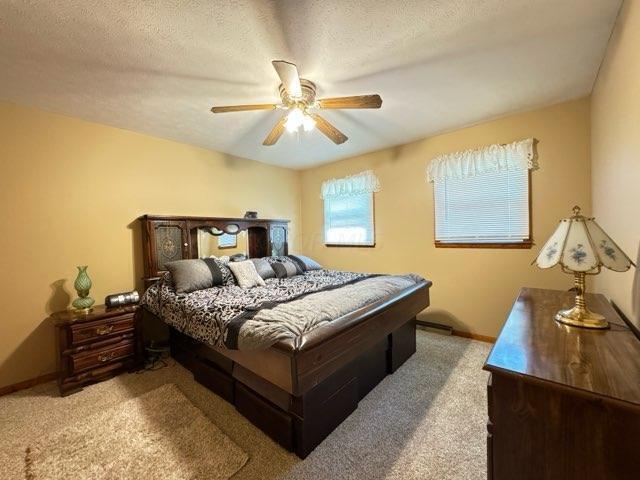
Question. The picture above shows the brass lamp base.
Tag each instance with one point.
(83, 311)
(580, 315)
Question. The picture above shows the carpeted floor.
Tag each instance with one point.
(144, 437)
(426, 421)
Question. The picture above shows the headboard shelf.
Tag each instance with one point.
(215, 219)
(168, 238)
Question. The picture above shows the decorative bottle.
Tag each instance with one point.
(82, 285)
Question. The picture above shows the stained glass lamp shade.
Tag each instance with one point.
(582, 248)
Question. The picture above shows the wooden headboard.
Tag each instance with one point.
(167, 238)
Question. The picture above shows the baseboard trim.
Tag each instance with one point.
(32, 382)
(439, 327)
(474, 336)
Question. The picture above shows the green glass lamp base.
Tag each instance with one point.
(83, 304)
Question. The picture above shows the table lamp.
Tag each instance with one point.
(582, 248)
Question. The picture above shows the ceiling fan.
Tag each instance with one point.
(299, 98)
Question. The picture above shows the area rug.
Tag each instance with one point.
(160, 434)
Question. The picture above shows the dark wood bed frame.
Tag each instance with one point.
(299, 391)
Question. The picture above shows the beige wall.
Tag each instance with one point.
(70, 193)
(615, 146)
(473, 288)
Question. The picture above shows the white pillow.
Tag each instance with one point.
(246, 274)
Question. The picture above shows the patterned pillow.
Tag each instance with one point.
(246, 274)
(191, 275)
(263, 267)
(280, 259)
(285, 268)
(305, 263)
(276, 258)
(227, 276)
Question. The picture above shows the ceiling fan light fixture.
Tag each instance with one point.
(294, 120)
(308, 123)
(299, 98)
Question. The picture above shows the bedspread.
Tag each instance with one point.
(256, 318)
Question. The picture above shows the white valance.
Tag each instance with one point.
(363, 182)
(519, 155)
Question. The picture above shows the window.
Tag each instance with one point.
(492, 208)
(482, 196)
(348, 220)
(348, 210)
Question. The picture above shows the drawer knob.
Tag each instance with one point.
(104, 330)
(105, 357)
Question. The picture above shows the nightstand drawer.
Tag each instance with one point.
(99, 357)
(87, 332)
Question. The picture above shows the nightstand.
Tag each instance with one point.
(97, 345)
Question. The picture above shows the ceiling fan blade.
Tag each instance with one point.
(359, 101)
(329, 130)
(244, 108)
(288, 74)
(276, 132)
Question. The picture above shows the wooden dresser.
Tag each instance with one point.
(97, 345)
(564, 402)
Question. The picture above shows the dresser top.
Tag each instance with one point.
(98, 312)
(533, 344)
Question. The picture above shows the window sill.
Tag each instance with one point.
(350, 245)
(528, 244)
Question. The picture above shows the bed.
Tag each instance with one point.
(300, 387)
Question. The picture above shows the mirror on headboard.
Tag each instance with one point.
(212, 241)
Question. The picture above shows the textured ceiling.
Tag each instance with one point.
(158, 66)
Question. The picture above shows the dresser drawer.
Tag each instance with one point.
(87, 332)
(102, 356)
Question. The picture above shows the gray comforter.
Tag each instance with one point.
(291, 319)
(256, 318)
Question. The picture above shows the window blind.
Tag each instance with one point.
(487, 208)
(348, 219)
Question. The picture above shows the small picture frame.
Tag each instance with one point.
(227, 241)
